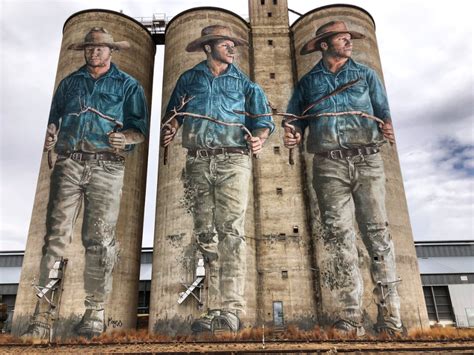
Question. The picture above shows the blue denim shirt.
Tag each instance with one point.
(218, 97)
(347, 131)
(115, 94)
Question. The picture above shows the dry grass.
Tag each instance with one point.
(7, 339)
(448, 333)
(292, 332)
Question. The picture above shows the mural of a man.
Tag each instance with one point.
(218, 165)
(348, 172)
(89, 170)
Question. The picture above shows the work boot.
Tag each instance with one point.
(215, 320)
(390, 328)
(226, 321)
(204, 323)
(348, 327)
(91, 324)
(37, 329)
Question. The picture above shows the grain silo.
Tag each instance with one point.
(365, 51)
(135, 58)
(175, 256)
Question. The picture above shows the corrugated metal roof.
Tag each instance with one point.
(441, 250)
(447, 265)
(10, 289)
(446, 279)
(8, 260)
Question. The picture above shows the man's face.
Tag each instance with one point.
(97, 56)
(223, 51)
(340, 45)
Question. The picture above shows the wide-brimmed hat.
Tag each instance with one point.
(325, 31)
(98, 36)
(214, 32)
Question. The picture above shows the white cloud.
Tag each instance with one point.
(440, 197)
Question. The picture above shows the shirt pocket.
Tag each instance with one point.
(107, 99)
(315, 93)
(74, 100)
(200, 95)
(111, 105)
(233, 100)
(196, 88)
(232, 93)
(358, 96)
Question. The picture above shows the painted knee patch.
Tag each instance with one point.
(336, 228)
(104, 232)
(207, 244)
(339, 274)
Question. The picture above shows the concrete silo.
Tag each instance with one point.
(175, 256)
(120, 308)
(365, 51)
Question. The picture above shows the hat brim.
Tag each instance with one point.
(313, 45)
(196, 45)
(113, 45)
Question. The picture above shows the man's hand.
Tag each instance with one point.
(168, 131)
(167, 135)
(51, 137)
(387, 131)
(291, 139)
(259, 136)
(118, 140)
(254, 143)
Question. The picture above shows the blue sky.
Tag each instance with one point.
(426, 53)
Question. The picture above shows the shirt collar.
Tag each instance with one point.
(112, 72)
(231, 70)
(320, 67)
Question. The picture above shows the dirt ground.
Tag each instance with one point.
(383, 347)
(253, 341)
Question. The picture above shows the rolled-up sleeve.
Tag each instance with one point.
(176, 96)
(256, 104)
(378, 96)
(57, 105)
(295, 106)
(135, 111)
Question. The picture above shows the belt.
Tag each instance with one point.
(83, 156)
(213, 152)
(347, 153)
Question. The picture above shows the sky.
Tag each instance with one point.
(427, 59)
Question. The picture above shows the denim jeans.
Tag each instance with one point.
(97, 185)
(348, 188)
(216, 189)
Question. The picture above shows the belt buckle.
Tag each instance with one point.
(333, 154)
(202, 153)
(76, 156)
